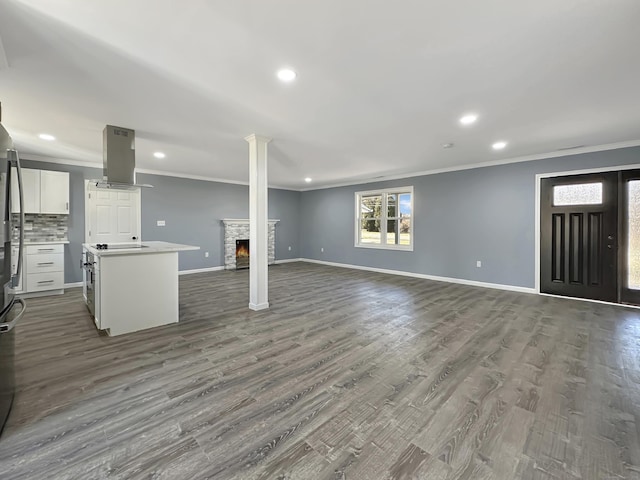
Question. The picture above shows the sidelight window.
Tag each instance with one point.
(384, 219)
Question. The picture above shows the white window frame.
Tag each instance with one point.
(384, 245)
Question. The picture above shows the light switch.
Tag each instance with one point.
(160, 223)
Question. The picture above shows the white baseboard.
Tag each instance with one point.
(73, 285)
(461, 281)
(288, 260)
(201, 270)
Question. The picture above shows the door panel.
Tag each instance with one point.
(578, 228)
(113, 216)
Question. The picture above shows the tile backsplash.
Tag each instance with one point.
(42, 228)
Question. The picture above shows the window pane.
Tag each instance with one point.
(405, 231)
(370, 232)
(633, 240)
(577, 194)
(392, 199)
(405, 204)
(371, 206)
(392, 233)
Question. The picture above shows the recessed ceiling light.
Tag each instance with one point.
(46, 136)
(468, 119)
(159, 155)
(499, 145)
(308, 179)
(287, 75)
(447, 145)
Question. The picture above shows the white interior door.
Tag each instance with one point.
(112, 216)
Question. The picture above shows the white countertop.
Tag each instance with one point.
(43, 242)
(147, 247)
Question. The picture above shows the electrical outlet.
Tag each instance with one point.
(322, 250)
(206, 254)
(479, 263)
(160, 223)
(289, 247)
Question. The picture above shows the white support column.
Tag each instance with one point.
(258, 223)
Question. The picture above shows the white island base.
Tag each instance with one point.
(136, 290)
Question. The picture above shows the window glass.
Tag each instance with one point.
(577, 194)
(392, 208)
(370, 232)
(405, 204)
(633, 240)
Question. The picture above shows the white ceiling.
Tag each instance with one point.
(380, 85)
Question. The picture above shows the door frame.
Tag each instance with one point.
(565, 173)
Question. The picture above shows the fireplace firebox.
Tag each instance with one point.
(242, 254)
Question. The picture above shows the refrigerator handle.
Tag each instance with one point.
(15, 279)
(8, 326)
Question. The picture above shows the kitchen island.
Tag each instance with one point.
(132, 287)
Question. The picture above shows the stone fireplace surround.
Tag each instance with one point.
(238, 229)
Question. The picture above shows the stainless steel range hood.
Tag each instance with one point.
(119, 159)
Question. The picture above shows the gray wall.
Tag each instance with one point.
(485, 214)
(192, 210)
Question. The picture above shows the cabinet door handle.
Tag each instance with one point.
(46, 249)
(45, 263)
(45, 281)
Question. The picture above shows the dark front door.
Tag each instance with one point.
(578, 236)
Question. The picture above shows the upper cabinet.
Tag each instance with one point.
(54, 192)
(45, 191)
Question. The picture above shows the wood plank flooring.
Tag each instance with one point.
(349, 375)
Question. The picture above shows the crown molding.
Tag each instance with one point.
(492, 163)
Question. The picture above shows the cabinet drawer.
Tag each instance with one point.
(36, 249)
(45, 281)
(45, 262)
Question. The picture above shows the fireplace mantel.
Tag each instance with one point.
(238, 229)
(244, 221)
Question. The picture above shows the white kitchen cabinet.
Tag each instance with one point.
(31, 187)
(45, 191)
(54, 192)
(43, 269)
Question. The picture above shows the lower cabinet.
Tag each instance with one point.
(43, 268)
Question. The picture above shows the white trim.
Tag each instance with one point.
(492, 163)
(586, 171)
(245, 221)
(461, 281)
(201, 270)
(288, 260)
(259, 306)
(73, 285)
(147, 171)
(538, 218)
(382, 178)
(386, 246)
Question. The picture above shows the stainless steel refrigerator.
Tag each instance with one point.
(12, 308)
